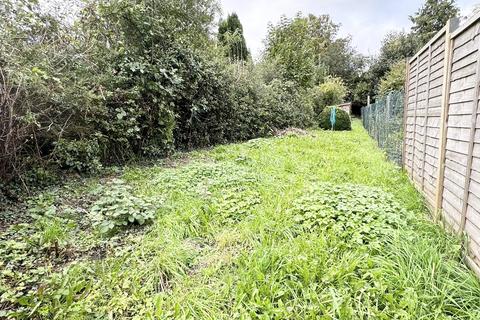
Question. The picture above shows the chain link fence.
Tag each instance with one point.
(384, 122)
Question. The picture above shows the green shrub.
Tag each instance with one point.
(314, 97)
(80, 155)
(332, 91)
(117, 208)
(287, 107)
(201, 115)
(343, 121)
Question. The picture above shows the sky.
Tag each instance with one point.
(366, 21)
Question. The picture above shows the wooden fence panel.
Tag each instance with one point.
(442, 128)
(464, 98)
(411, 97)
(462, 111)
(424, 91)
(472, 207)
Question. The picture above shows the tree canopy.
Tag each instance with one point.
(385, 71)
(230, 35)
(431, 17)
(308, 48)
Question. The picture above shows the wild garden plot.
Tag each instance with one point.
(315, 226)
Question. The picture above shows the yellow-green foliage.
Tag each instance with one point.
(332, 91)
(329, 93)
(394, 79)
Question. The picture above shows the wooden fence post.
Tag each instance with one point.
(405, 114)
(415, 120)
(451, 25)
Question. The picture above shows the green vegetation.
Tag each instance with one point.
(306, 224)
(331, 92)
(230, 34)
(342, 122)
(266, 229)
(432, 17)
(397, 46)
(394, 79)
(307, 49)
(116, 207)
(153, 80)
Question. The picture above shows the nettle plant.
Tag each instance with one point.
(357, 214)
(237, 203)
(117, 207)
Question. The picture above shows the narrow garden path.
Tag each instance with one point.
(302, 226)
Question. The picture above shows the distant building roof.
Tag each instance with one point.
(347, 106)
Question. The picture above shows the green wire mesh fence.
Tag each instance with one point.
(384, 122)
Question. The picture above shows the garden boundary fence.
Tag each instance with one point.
(383, 120)
(441, 150)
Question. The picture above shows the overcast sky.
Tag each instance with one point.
(367, 21)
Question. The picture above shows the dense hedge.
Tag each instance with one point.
(124, 82)
(342, 122)
(130, 79)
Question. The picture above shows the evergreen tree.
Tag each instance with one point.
(230, 34)
(431, 18)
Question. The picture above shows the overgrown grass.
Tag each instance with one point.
(296, 227)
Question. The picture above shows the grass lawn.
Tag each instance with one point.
(316, 226)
